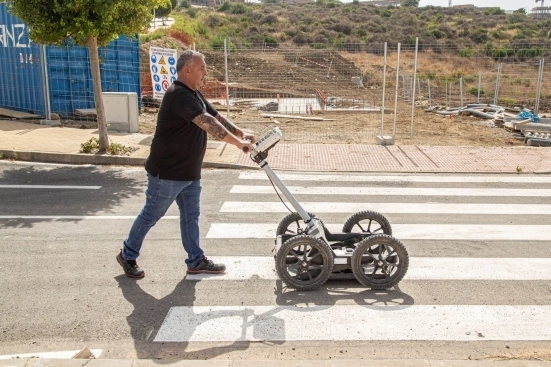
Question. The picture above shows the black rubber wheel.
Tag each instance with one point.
(304, 262)
(368, 222)
(380, 261)
(292, 224)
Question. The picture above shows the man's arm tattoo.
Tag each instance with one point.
(228, 125)
(210, 125)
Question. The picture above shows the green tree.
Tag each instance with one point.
(163, 10)
(520, 11)
(412, 3)
(90, 23)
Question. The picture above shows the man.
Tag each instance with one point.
(174, 164)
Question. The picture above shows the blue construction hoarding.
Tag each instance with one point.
(65, 70)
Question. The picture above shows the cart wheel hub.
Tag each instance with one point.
(304, 264)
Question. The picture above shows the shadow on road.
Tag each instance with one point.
(42, 203)
(149, 314)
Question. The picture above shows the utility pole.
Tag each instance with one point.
(450, 4)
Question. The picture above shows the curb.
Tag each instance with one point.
(72, 158)
(98, 159)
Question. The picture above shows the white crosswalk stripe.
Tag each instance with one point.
(403, 231)
(399, 178)
(420, 268)
(484, 225)
(399, 322)
(394, 191)
(400, 208)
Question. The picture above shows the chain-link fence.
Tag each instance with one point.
(341, 91)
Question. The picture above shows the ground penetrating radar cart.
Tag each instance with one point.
(307, 254)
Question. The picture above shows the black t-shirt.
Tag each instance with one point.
(179, 146)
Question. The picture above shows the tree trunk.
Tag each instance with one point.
(92, 44)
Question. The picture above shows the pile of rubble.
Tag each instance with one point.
(535, 130)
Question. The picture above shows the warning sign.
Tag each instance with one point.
(162, 77)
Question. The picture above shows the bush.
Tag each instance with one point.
(480, 35)
(494, 11)
(224, 7)
(213, 21)
(465, 53)
(192, 12)
(270, 41)
(239, 8)
(510, 102)
(268, 19)
(474, 91)
(92, 146)
(201, 29)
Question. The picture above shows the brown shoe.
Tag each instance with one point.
(130, 267)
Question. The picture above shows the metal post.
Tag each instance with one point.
(396, 93)
(329, 70)
(430, 99)
(447, 103)
(384, 88)
(498, 79)
(413, 92)
(538, 92)
(479, 83)
(405, 87)
(45, 83)
(461, 90)
(227, 86)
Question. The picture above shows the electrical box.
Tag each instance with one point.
(121, 111)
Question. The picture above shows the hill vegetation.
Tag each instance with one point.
(355, 26)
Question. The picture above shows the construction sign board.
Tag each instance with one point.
(162, 63)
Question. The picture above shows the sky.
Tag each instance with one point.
(503, 4)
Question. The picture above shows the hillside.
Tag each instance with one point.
(354, 26)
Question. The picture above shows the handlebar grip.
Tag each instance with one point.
(246, 149)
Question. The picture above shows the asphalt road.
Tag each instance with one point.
(61, 288)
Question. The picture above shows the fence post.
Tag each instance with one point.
(540, 79)
(447, 101)
(461, 90)
(479, 83)
(498, 80)
(396, 93)
(430, 98)
(413, 91)
(384, 88)
(227, 87)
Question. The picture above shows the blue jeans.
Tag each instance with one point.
(160, 194)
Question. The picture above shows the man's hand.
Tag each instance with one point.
(245, 145)
(249, 136)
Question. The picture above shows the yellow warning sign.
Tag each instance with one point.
(163, 70)
(162, 61)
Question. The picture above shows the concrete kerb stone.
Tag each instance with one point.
(97, 159)
(72, 158)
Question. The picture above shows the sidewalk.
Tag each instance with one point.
(39, 143)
